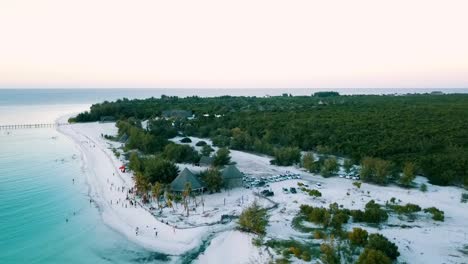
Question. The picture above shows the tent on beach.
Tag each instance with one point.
(186, 176)
(232, 177)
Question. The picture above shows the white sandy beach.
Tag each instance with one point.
(425, 241)
(99, 165)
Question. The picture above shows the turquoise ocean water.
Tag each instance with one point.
(45, 217)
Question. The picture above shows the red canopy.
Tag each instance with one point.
(122, 167)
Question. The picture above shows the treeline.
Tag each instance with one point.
(428, 131)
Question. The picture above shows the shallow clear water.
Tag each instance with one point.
(38, 196)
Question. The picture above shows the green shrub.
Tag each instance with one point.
(257, 241)
(358, 236)
(437, 215)
(306, 256)
(201, 143)
(282, 261)
(254, 219)
(319, 234)
(329, 254)
(406, 209)
(312, 192)
(186, 140)
(372, 256)
(372, 214)
(381, 243)
(423, 188)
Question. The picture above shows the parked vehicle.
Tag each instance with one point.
(318, 185)
(267, 193)
(292, 190)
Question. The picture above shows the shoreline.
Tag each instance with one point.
(413, 243)
(98, 165)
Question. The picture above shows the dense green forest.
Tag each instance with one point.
(430, 131)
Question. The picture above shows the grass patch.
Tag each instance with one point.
(297, 224)
(293, 248)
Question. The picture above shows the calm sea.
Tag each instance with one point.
(44, 216)
(88, 96)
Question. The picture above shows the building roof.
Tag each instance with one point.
(231, 172)
(123, 138)
(206, 160)
(178, 184)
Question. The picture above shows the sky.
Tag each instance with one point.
(233, 44)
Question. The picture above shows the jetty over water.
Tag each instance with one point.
(27, 126)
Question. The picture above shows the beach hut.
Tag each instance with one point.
(232, 177)
(186, 176)
(206, 161)
(123, 138)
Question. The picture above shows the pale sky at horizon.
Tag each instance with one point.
(234, 44)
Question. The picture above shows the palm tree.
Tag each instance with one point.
(141, 184)
(156, 191)
(169, 201)
(186, 195)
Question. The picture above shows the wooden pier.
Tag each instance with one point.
(27, 126)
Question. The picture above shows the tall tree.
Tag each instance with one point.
(158, 169)
(206, 150)
(186, 195)
(329, 167)
(169, 198)
(254, 219)
(156, 191)
(222, 157)
(308, 161)
(134, 162)
(347, 165)
(141, 184)
(213, 179)
(408, 174)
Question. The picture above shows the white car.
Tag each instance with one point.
(318, 185)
